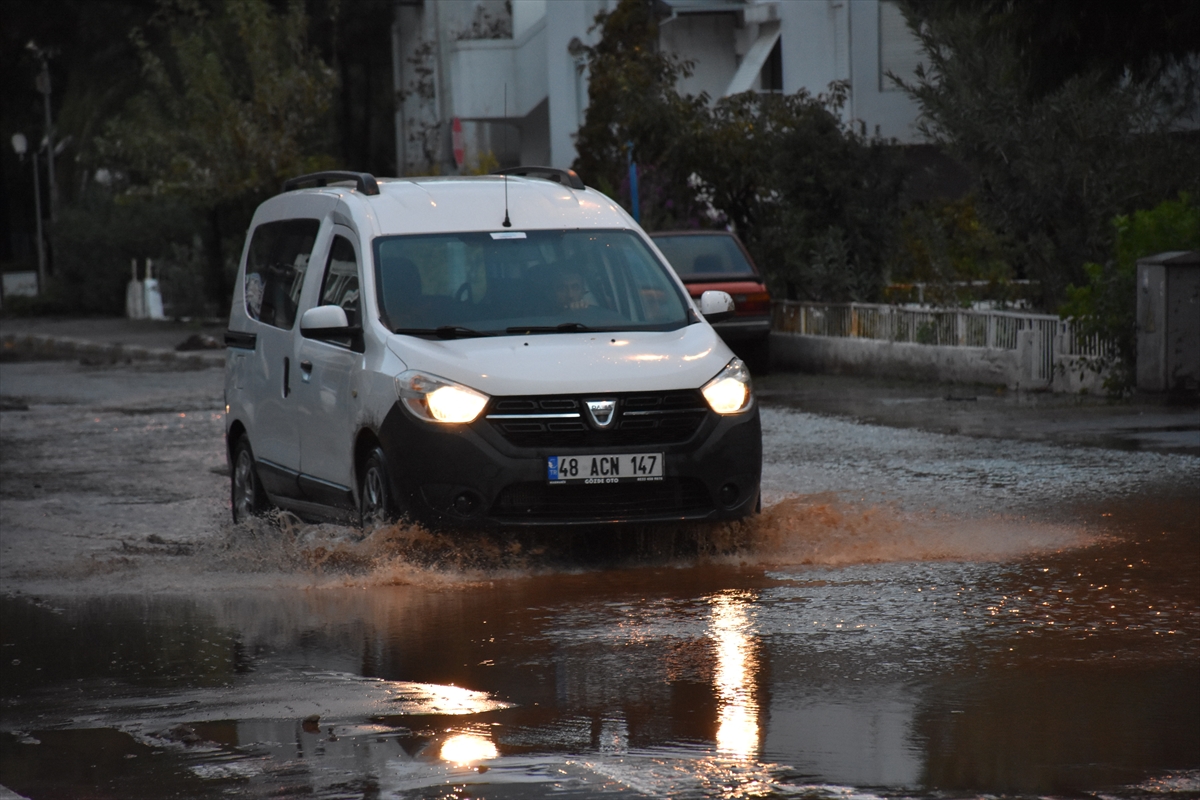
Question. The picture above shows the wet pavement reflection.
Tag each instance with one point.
(1052, 674)
(915, 614)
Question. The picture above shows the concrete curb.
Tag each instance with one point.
(68, 347)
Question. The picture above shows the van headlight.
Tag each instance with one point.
(729, 391)
(435, 399)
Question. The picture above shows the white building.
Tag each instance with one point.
(514, 76)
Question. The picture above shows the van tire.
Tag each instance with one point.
(376, 504)
(246, 494)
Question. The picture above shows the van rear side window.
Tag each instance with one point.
(275, 268)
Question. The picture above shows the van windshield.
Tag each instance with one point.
(523, 282)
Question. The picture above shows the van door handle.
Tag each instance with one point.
(305, 371)
(287, 368)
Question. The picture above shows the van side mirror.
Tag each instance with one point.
(716, 306)
(322, 322)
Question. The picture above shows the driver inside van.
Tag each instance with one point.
(570, 290)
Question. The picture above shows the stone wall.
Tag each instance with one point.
(1018, 369)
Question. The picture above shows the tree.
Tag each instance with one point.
(1051, 168)
(632, 101)
(93, 69)
(955, 258)
(352, 40)
(1062, 39)
(839, 204)
(814, 201)
(234, 103)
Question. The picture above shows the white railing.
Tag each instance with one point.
(1051, 335)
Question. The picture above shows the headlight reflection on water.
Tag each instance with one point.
(737, 664)
(434, 698)
(468, 748)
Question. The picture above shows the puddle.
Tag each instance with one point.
(913, 615)
(1050, 674)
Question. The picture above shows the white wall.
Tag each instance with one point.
(840, 356)
(821, 41)
(495, 78)
(525, 13)
(708, 40)
(547, 95)
(808, 45)
(567, 20)
(827, 40)
(884, 108)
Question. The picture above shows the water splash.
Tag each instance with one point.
(823, 530)
(818, 529)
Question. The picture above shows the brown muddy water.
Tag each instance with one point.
(1059, 673)
(913, 615)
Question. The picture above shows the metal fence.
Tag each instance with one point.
(1053, 336)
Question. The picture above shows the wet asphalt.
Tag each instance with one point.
(951, 592)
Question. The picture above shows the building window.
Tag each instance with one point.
(771, 77)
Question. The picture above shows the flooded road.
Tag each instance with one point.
(914, 615)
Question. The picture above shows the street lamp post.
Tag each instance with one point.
(42, 83)
(21, 145)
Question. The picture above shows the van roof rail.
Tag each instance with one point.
(363, 181)
(566, 177)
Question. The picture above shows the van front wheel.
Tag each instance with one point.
(376, 505)
(245, 491)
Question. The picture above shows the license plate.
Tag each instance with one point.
(623, 468)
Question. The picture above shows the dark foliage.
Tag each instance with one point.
(1062, 39)
(1051, 170)
(634, 110)
(96, 241)
(101, 73)
(1106, 302)
(839, 203)
(814, 201)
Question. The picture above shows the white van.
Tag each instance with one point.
(499, 350)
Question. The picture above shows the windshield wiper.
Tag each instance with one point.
(445, 332)
(566, 327)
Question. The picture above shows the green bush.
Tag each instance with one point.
(94, 243)
(633, 102)
(1050, 169)
(815, 200)
(1107, 303)
(955, 255)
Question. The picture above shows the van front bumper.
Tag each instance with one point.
(472, 475)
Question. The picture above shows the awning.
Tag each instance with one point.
(752, 64)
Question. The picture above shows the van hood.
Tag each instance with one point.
(571, 363)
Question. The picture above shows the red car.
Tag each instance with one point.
(718, 260)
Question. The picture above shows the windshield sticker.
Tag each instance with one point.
(509, 235)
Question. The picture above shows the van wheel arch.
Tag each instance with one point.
(364, 445)
(369, 455)
(236, 431)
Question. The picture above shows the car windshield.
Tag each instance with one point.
(701, 256)
(470, 284)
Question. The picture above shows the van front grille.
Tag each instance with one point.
(559, 421)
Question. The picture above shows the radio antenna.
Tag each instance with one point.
(507, 223)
